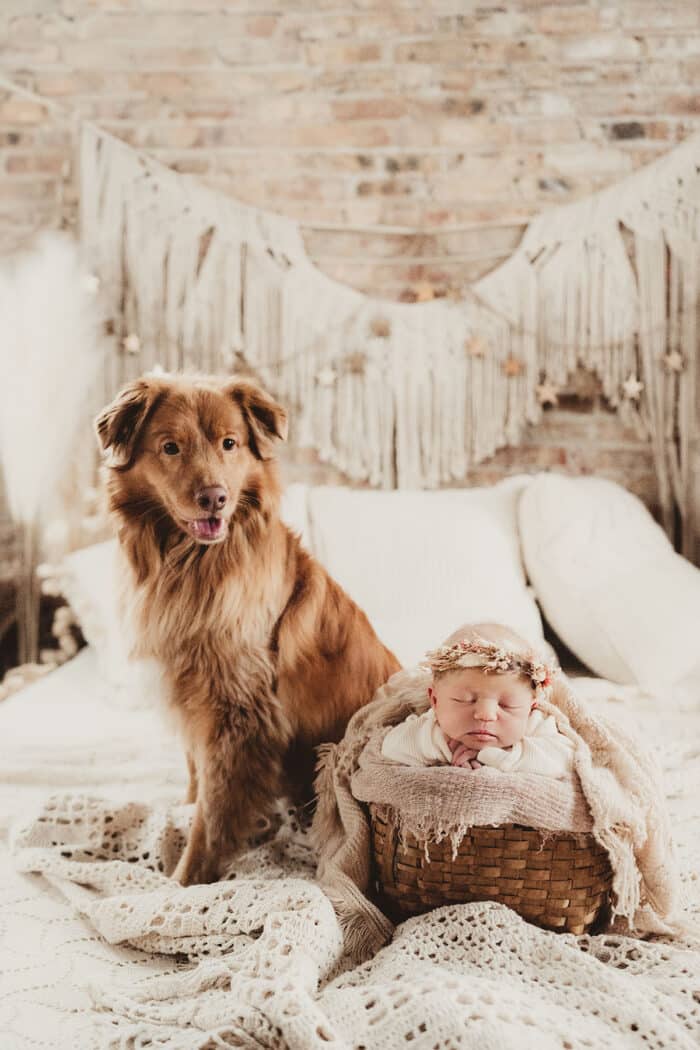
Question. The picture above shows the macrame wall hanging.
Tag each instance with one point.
(412, 395)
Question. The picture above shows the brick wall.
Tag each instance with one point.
(449, 121)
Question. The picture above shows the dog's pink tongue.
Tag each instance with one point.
(208, 528)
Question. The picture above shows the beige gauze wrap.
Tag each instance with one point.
(616, 795)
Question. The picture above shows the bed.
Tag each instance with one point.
(259, 961)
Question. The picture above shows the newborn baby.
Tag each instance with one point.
(483, 695)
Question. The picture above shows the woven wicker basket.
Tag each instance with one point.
(561, 882)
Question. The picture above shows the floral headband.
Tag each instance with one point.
(490, 658)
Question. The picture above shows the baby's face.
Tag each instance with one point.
(482, 710)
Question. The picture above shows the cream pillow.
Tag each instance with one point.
(422, 563)
(610, 583)
(89, 581)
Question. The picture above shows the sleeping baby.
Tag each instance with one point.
(483, 709)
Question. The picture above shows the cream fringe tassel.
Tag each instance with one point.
(394, 394)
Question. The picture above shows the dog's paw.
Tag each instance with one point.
(195, 870)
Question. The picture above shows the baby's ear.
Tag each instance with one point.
(431, 696)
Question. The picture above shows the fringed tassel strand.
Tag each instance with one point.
(414, 395)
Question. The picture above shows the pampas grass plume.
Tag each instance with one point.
(51, 347)
(50, 351)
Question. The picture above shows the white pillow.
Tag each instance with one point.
(294, 511)
(89, 581)
(610, 583)
(421, 563)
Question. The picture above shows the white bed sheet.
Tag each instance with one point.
(68, 726)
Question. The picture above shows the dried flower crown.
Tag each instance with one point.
(490, 658)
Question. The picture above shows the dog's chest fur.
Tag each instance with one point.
(199, 609)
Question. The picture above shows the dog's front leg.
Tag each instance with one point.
(191, 795)
(238, 758)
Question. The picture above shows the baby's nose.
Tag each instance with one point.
(486, 712)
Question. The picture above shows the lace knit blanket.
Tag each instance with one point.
(258, 960)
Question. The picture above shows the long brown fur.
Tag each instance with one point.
(264, 654)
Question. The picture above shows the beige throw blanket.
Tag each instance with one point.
(617, 796)
(101, 949)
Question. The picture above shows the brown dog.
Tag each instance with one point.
(264, 654)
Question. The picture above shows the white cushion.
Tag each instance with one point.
(422, 563)
(294, 511)
(89, 581)
(610, 583)
(418, 563)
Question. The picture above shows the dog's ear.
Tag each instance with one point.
(265, 419)
(119, 424)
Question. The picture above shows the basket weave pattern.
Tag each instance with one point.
(560, 882)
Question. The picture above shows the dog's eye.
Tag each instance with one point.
(229, 443)
(171, 448)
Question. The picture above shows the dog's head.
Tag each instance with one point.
(191, 448)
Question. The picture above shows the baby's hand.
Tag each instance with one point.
(464, 756)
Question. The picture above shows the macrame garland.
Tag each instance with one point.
(172, 258)
(614, 285)
(412, 395)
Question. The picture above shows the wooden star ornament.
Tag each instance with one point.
(326, 377)
(355, 363)
(632, 387)
(674, 361)
(380, 327)
(475, 346)
(513, 367)
(424, 292)
(547, 393)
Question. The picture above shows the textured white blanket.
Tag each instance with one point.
(257, 961)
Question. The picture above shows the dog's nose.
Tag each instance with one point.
(211, 498)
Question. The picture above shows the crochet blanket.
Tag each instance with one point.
(258, 960)
(616, 793)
